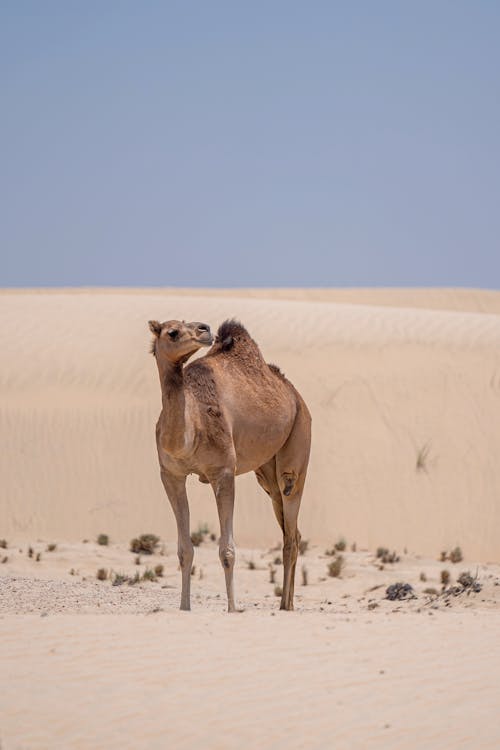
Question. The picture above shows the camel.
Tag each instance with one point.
(224, 414)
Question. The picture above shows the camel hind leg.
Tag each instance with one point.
(291, 469)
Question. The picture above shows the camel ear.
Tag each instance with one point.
(154, 327)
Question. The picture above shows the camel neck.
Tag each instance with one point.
(174, 404)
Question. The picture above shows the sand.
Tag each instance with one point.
(404, 389)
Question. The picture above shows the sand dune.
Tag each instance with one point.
(385, 384)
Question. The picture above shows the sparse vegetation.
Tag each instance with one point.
(304, 576)
(3, 543)
(385, 556)
(38, 557)
(251, 565)
(146, 543)
(73, 572)
(272, 573)
(340, 544)
(149, 575)
(399, 591)
(303, 546)
(422, 458)
(31, 551)
(213, 537)
(455, 555)
(136, 578)
(102, 574)
(336, 566)
(443, 556)
(278, 591)
(51, 547)
(137, 560)
(103, 540)
(197, 538)
(159, 570)
(423, 576)
(193, 570)
(381, 551)
(278, 560)
(119, 579)
(331, 552)
(4, 559)
(431, 591)
(445, 577)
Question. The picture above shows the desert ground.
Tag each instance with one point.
(403, 488)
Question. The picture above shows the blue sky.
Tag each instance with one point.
(263, 143)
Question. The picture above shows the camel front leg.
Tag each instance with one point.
(175, 487)
(223, 486)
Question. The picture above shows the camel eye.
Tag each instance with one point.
(173, 334)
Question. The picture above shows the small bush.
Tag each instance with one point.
(389, 557)
(422, 458)
(445, 577)
(31, 551)
(336, 566)
(251, 565)
(213, 537)
(423, 576)
(51, 547)
(304, 576)
(102, 574)
(137, 560)
(146, 543)
(3, 543)
(4, 559)
(382, 551)
(103, 540)
(278, 560)
(197, 538)
(272, 573)
(278, 591)
(443, 556)
(159, 571)
(399, 591)
(149, 575)
(331, 552)
(303, 546)
(136, 578)
(431, 591)
(38, 557)
(456, 555)
(119, 579)
(340, 545)
(204, 529)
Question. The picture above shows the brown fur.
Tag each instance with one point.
(224, 414)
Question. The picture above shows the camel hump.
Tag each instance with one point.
(233, 337)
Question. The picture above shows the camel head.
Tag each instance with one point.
(176, 340)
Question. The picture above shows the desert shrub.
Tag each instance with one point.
(331, 552)
(423, 576)
(251, 565)
(51, 547)
(445, 577)
(422, 458)
(102, 574)
(31, 551)
(136, 578)
(149, 575)
(3, 543)
(399, 591)
(103, 540)
(382, 551)
(278, 560)
(159, 571)
(38, 557)
(455, 555)
(272, 573)
(303, 546)
(278, 591)
(304, 576)
(197, 538)
(5, 559)
(431, 591)
(340, 545)
(146, 543)
(336, 566)
(119, 579)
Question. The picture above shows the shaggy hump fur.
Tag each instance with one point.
(230, 333)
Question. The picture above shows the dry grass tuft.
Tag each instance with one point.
(336, 566)
(146, 543)
(445, 577)
(51, 547)
(159, 570)
(102, 574)
(304, 576)
(303, 546)
(278, 591)
(455, 555)
(278, 561)
(272, 573)
(4, 559)
(251, 565)
(422, 458)
(149, 575)
(3, 543)
(103, 540)
(197, 538)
